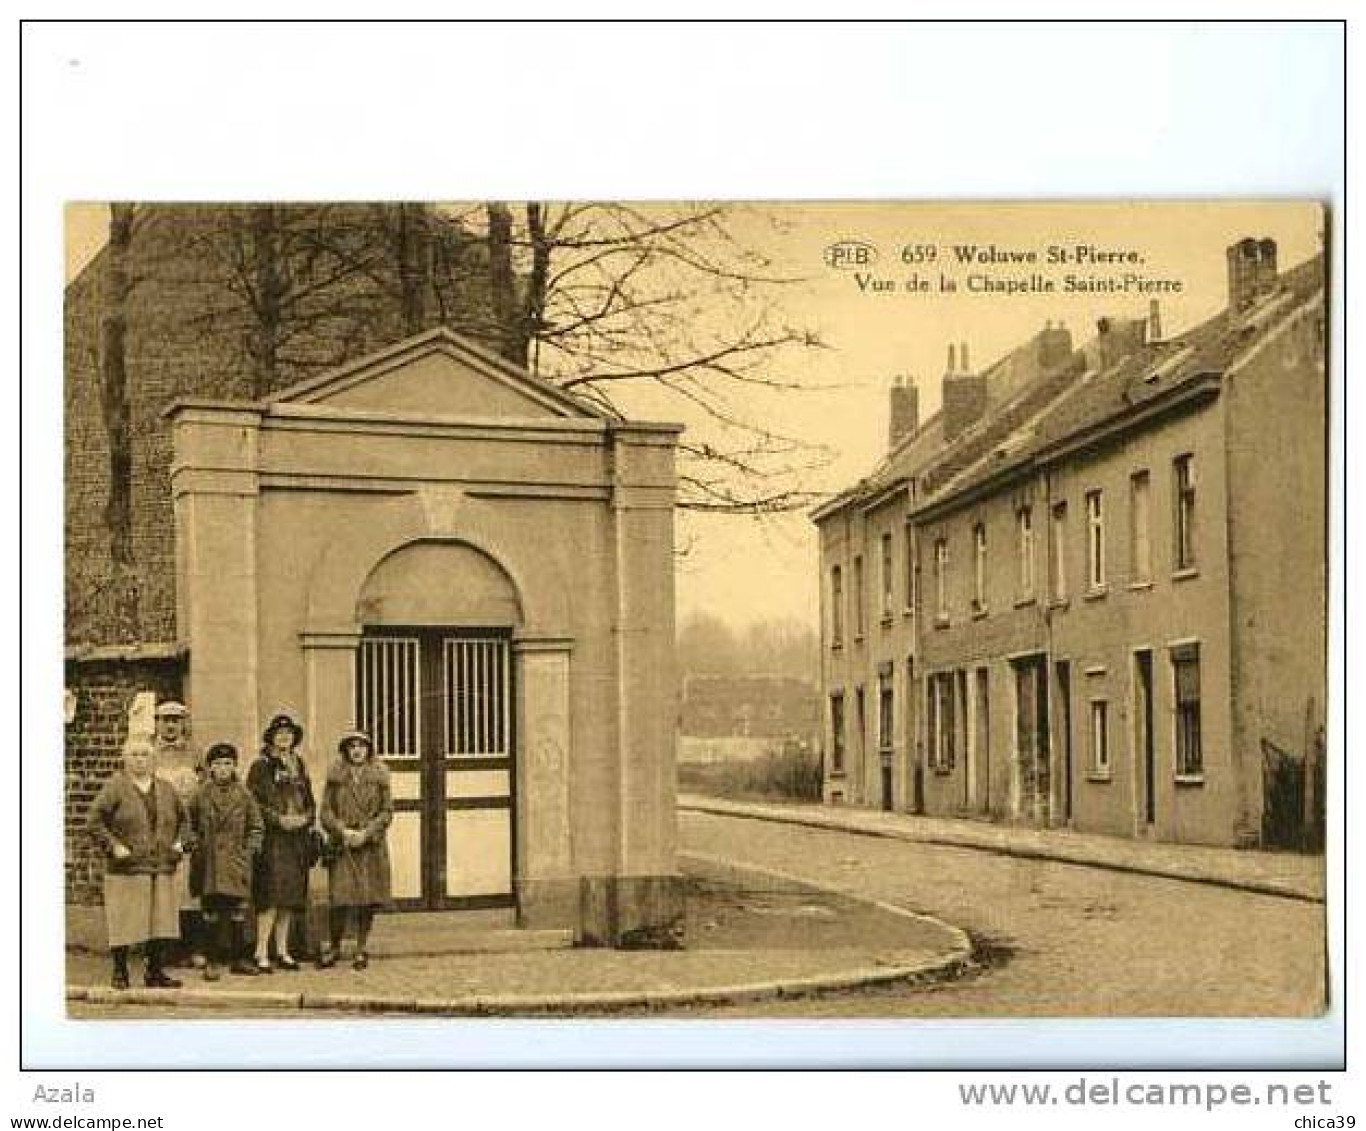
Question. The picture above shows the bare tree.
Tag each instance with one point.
(113, 365)
(307, 287)
(630, 304)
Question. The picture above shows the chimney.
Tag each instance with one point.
(1054, 345)
(904, 415)
(964, 397)
(953, 367)
(1118, 337)
(963, 365)
(1251, 272)
(1154, 321)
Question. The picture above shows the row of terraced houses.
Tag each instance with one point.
(1090, 590)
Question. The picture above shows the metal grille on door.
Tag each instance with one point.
(439, 706)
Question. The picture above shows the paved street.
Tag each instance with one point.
(1068, 940)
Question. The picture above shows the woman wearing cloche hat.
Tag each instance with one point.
(278, 780)
(356, 811)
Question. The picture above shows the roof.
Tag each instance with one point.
(443, 341)
(1076, 400)
(1012, 372)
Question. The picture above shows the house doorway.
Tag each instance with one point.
(1031, 739)
(1143, 724)
(439, 704)
(1063, 676)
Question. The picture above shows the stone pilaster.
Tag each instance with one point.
(547, 885)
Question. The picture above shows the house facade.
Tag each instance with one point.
(1102, 635)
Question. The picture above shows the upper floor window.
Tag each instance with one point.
(1140, 528)
(884, 714)
(836, 606)
(1024, 529)
(858, 597)
(1183, 471)
(979, 567)
(941, 578)
(886, 563)
(1095, 541)
(1058, 552)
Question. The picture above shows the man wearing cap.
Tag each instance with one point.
(177, 762)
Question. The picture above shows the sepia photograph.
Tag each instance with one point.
(701, 610)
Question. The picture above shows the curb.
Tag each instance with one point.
(945, 966)
(1021, 852)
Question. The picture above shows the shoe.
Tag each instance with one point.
(244, 968)
(263, 966)
(212, 972)
(160, 980)
(285, 962)
(120, 980)
(327, 959)
(361, 961)
(199, 962)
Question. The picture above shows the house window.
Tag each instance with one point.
(1140, 524)
(858, 598)
(1190, 761)
(1095, 541)
(979, 567)
(1183, 470)
(939, 689)
(837, 734)
(1100, 736)
(1058, 552)
(884, 715)
(886, 575)
(941, 579)
(1024, 528)
(836, 607)
(912, 594)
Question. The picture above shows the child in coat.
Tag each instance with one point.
(228, 832)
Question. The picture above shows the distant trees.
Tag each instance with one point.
(707, 645)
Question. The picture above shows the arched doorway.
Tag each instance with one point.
(434, 685)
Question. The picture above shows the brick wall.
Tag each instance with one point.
(187, 335)
(104, 688)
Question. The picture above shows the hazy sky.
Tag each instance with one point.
(747, 569)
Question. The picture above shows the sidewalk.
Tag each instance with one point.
(1285, 874)
(751, 934)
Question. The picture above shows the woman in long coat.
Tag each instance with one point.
(138, 821)
(356, 812)
(278, 780)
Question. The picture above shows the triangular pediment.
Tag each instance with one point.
(439, 374)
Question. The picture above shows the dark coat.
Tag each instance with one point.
(228, 834)
(358, 798)
(281, 877)
(120, 815)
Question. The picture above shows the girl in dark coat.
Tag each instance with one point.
(140, 824)
(356, 812)
(228, 832)
(278, 781)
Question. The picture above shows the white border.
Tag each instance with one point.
(170, 112)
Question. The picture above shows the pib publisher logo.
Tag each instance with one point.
(849, 255)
